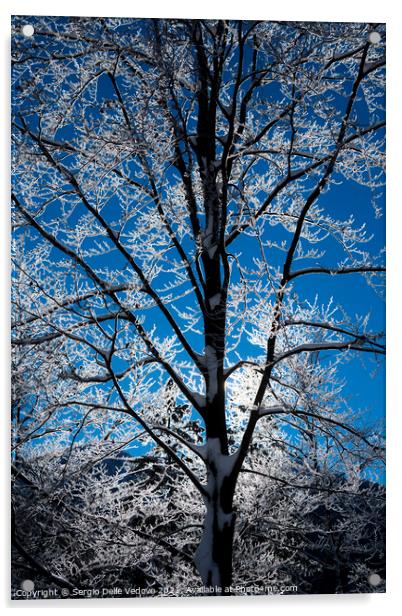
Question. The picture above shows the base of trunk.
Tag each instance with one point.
(213, 557)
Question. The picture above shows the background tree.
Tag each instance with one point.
(109, 520)
(172, 185)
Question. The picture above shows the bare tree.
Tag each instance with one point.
(170, 189)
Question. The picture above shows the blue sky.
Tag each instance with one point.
(351, 291)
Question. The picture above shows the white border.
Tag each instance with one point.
(339, 10)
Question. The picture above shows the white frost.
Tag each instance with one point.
(215, 300)
(203, 558)
(222, 463)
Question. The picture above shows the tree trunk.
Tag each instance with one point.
(213, 557)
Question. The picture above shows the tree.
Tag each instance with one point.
(168, 178)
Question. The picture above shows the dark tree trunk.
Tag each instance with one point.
(214, 555)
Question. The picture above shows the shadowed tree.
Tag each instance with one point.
(175, 183)
(135, 521)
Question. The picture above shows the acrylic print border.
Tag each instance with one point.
(156, 370)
